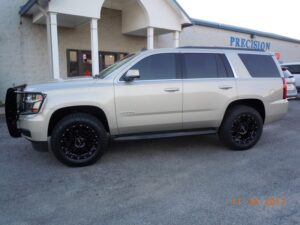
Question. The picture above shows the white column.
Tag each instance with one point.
(49, 44)
(53, 45)
(176, 39)
(150, 38)
(94, 46)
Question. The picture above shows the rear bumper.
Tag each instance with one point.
(276, 110)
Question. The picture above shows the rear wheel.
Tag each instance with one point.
(79, 140)
(242, 128)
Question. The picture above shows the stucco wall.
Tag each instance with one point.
(206, 36)
(23, 47)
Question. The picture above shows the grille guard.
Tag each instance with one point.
(12, 110)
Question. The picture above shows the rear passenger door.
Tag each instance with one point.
(208, 85)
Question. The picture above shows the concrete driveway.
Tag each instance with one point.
(182, 181)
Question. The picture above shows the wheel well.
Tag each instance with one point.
(258, 105)
(92, 110)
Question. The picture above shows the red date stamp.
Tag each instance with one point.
(268, 201)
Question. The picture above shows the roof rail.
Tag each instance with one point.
(225, 48)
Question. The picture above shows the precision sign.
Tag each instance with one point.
(247, 43)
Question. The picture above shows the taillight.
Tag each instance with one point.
(284, 88)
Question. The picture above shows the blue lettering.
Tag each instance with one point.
(243, 41)
(232, 39)
(256, 45)
(248, 44)
(237, 42)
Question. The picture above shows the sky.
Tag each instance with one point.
(278, 17)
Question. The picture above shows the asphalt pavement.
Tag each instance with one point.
(181, 181)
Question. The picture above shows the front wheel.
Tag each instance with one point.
(79, 140)
(242, 128)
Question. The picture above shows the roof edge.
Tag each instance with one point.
(206, 23)
(183, 11)
(26, 7)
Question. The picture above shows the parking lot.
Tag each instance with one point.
(188, 180)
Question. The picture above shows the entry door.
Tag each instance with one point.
(153, 102)
(208, 86)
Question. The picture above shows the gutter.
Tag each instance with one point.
(25, 8)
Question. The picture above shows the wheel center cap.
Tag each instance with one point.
(243, 130)
(79, 142)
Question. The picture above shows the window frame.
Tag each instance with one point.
(221, 56)
(79, 54)
(178, 68)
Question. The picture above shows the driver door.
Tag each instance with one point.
(152, 102)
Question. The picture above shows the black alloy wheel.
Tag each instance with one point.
(79, 140)
(242, 128)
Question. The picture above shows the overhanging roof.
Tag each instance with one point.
(30, 3)
(243, 30)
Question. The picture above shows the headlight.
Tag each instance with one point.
(31, 103)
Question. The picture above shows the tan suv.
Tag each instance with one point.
(152, 94)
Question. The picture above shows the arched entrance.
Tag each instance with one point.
(141, 18)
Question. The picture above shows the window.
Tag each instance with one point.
(80, 61)
(294, 69)
(226, 65)
(206, 65)
(73, 63)
(157, 67)
(260, 65)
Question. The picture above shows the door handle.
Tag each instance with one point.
(225, 87)
(172, 89)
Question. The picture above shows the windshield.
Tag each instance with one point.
(104, 73)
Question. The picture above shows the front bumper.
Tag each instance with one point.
(32, 127)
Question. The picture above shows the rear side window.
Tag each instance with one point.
(206, 65)
(157, 67)
(260, 65)
(294, 69)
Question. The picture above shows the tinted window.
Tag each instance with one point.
(226, 65)
(294, 69)
(200, 65)
(260, 65)
(157, 67)
(206, 65)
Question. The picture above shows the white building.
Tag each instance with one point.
(58, 39)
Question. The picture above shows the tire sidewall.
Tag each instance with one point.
(225, 130)
(68, 121)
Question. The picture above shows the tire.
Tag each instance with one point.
(241, 128)
(79, 140)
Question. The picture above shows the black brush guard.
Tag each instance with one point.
(12, 103)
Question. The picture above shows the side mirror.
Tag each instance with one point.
(131, 75)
